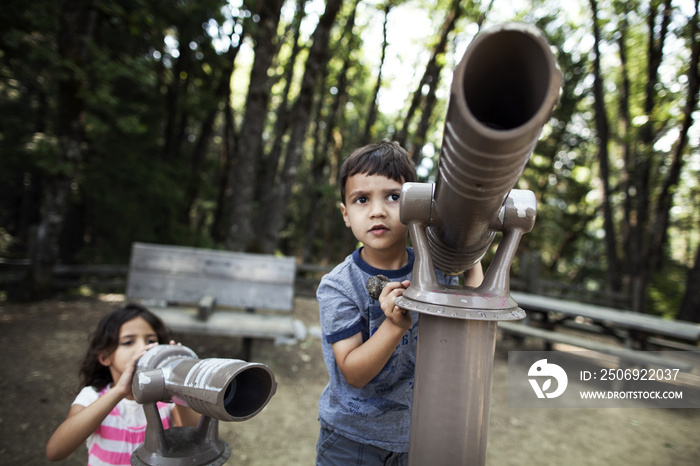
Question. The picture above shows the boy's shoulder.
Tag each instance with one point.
(349, 278)
(355, 265)
(344, 276)
(342, 267)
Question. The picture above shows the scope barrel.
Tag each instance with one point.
(224, 389)
(502, 94)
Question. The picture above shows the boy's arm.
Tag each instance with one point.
(474, 276)
(360, 362)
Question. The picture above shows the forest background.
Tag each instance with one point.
(223, 124)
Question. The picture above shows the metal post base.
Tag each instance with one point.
(452, 391)
(180, 446)
(184, 450)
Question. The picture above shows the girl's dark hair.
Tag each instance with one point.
(105, 341)
(384, 158)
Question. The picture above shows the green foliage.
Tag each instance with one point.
(560, 172)
(666, 290)
(141, 201)
(151, 170)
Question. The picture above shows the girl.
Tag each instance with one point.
(104, 413)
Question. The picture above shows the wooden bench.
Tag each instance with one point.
(643, 358)
(634, 331)
(195, 290)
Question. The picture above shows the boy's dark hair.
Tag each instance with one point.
(384, 158)
(105, 340)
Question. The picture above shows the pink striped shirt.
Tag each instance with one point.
(121, 432)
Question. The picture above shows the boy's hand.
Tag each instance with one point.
(399, 317)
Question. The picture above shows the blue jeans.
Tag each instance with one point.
(335, 450)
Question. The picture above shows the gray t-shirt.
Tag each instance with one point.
(379, 413)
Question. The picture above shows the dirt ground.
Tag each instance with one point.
(42, 344)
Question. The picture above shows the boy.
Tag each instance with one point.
(369, 345)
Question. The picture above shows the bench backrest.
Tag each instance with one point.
(184, 275)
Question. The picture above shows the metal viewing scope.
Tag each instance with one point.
(218, 389)
(503, 92)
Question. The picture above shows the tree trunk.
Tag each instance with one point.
(433, 78)
(374, 101)
(322, 155)
(282, 122)
(602, 130)
(659, 228)
(220, 222)
(642, 255)
(430, 76)
(624, 128)
(175, 116)
(77, 22)
(223, 92)
(249, 149)
(275, 215)
(218, 228)
(690, 306)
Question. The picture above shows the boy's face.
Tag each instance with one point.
(371, 210)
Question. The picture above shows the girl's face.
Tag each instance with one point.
(134, 336)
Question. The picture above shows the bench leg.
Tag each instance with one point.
(248, 342)
(546, 323)
(247, 349)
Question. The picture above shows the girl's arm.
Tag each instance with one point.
(184, 416)
(84, 420)
(360, 362)
(80, 423)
